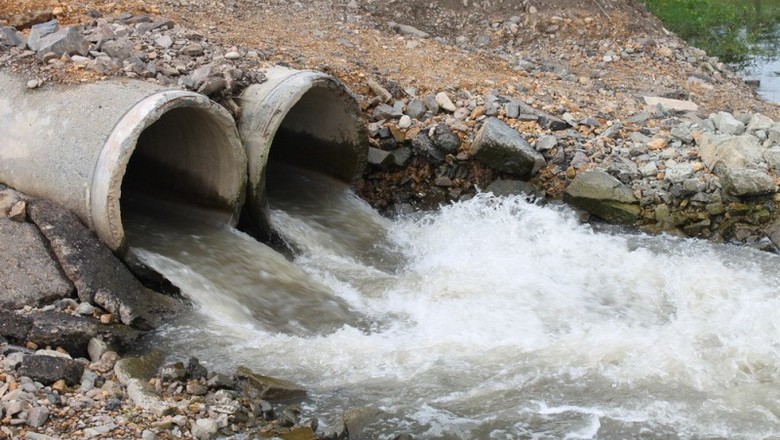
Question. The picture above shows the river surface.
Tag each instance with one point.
(493, 318)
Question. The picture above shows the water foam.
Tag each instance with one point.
(499, 318)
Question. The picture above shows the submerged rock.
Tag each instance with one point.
(604, 196)
(268, 388)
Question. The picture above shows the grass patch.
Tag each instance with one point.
(733, 30)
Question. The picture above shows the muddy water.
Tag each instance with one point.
(493, 318)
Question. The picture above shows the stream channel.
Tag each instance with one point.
(492, 318)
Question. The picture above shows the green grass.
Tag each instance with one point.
(733, 30)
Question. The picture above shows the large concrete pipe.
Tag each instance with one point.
(302, 118)
(89, 146)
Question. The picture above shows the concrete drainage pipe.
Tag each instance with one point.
(90, 146)
(302, 118)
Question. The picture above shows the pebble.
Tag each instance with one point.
(232, 55)
(33, 84)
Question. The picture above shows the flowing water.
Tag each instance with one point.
(493, 318)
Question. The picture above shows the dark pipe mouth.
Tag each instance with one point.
(304, 120)
(176, 150)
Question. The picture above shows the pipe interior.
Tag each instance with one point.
(321, 133)
(183, 163)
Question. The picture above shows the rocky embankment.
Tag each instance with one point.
(611, 124)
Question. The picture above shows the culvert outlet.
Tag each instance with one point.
(92, 147)
(305, 119)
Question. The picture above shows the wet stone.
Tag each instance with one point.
(49, 369)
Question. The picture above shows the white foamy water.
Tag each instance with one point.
(496, 318)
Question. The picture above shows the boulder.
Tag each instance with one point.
(73, 333)
(358, 422)
(727, 124)
(745, 181)
(739, 162)
(759, 122)
(50, 369)
(100, 278)
(268, 388)
(604, 196)
(14, 327)
(67, 40)
(772, 157)
(503, 148)
(40, 30)
(28, 274)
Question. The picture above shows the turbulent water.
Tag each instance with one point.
(493, 318)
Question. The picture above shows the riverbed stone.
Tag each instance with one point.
(73, 333)
(268, 388)
(40, 30)
(49, 369)
(739, 162)
(503, 148)
(600, 194)
(508, 187)
(28, 274)
(100, 278)
(358, 422)
(444, 138)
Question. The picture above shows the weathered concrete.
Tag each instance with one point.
(182, 145)
(28, 274)
(100, 278)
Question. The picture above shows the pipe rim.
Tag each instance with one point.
(104, 194)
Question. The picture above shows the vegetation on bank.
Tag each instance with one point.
(733, 30)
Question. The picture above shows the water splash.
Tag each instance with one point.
(505, 319)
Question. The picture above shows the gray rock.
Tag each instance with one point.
(683, 134)
(759, 122)
(28, 274)
(67, 40)
(668, 104)
(358, 423)
(445, 102)
(164, 41)
(121, 49)
(416, 109)
(49, 369)
(545, 119)
(679, 172)
(505, 188)
(773, 232)
(612, 130)
(772, 157)
(401, 156)
(649, 169)
(73, 333)
(604, 196)
(511, 109)
(192, 50)
(546, 142)
(727, 124)
(503, 148)
(424, 146)
(268, 388)
(385, 111)
(11, 36)
(37, 416)
(431, 104)
(579, 159)
(404, 29)
(444, 138)
(380, 158)
(40, 30)
(96, 347)
(745, 181)
(100, 278)
(14, 327)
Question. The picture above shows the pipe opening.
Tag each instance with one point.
(189, 163)
(301, 122)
